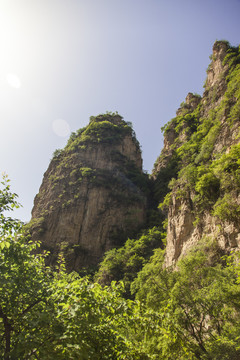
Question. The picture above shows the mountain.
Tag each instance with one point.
(203, 143)
(95, 195)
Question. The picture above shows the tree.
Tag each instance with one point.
(24, 280)
(198, 305)
(46, 313)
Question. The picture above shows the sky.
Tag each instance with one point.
(62, 61)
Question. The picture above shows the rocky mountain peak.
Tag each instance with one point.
(93, 194)
(113, 118)
(190, 104)
(217, 69)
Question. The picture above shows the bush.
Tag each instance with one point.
(226, 209)
(208, 186)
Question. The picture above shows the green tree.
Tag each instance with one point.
(23, 286)
(46, 314)
(125, 263)
(198, 305)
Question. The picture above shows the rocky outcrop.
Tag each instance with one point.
(92, 195)
(173, 138)
(204, 137)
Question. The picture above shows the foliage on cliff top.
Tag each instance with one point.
(110, 129)
(104, 128)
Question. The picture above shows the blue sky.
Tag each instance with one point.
(62, 61)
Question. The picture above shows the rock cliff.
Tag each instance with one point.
(203, 142)
(93, 195)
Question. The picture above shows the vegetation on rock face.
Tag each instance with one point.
(211, 175)
(125, 263)
(105, 129)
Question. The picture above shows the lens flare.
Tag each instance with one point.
(61, 127)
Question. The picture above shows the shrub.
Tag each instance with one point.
(226, 209)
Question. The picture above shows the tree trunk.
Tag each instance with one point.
(8, 328)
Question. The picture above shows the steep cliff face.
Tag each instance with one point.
(93, 194)
(204, 141)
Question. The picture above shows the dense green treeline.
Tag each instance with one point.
(192, 313)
